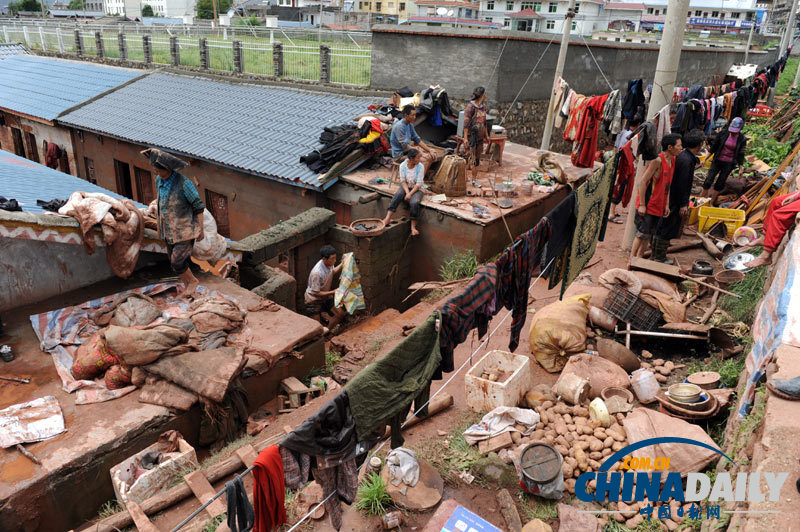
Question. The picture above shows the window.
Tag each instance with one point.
(88, 165)
(714, 14)
(574, 26)
(735, 15)
(144, 185)
(510, 5)
(377, 6)
(217, 205)
(490, 5)
(506, 22)
(749, 15)
(552, 7)
(33, 152)
(705, 14)
(649, 10)
(63, 161)
(122, 172)
(525, 5)
(551, 24)
(19, 147)
(698, 13)
(577, 7)
(402, 6)
(658, 12)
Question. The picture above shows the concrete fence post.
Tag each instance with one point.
(277, 60)
(203, 53)
(78, 42)
(238, 58)
(123, 46)
(175, 51)
(324, 63)
(225, 33)
(147, 49)
(27, 37)
(5, 34)
(42, 39)
(98, 40)
(60, 39)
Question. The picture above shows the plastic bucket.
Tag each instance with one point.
(572, 388)
(645, 385)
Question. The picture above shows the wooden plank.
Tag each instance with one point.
(247, 454)
(500, 441)
(657, 268)
(202, 489)
(141, 521)
(293, 385)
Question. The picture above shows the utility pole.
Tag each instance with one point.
(214, 8)
(749, 40)
(669, 55)
(320, 22)
(788, 38)
(562, 58)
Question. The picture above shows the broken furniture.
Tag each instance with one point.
(296, 394)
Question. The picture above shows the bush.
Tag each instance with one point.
(372, 497)
(462, 265)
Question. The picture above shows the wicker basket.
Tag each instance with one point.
(451, 178)
(627, 307)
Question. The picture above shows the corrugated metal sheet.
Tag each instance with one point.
(259, 129)
(7, 49)
(27, 181)
(44, 88)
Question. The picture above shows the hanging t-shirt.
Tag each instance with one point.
(622, 138)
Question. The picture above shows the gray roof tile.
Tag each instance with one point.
(7, 49)
(259, 129)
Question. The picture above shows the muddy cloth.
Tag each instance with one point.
(224, 421)
(343, 479)
(9, 204)
(130, 310)
(162, 159)
(206, 373)
(53, 205)
(585, 146)
(514, 268)
(120, 221)
(633, 102)
(180, 254)
(562, 227)
(163, 393)
(52, 155)
(626, 172)
(332, 430)
(591, 213)
(179, 209)
(210, 314)
(473, 307)
(241, 516)
(648, 141)
(338, 142)
(386, 388)
(168, 441)
(296, 467)
(268, 490)
(137, 347)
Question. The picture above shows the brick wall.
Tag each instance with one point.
(61, 136)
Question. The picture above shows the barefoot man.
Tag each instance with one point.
(180, 214)
(781, 215)
(412, 174)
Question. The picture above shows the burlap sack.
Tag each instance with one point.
(558, 331)
(600, 373)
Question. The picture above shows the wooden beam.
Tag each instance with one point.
(201, 487)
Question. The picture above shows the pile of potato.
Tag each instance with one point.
(631, 517)
(662, 369)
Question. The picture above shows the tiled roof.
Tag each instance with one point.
(27, 181)
(526, 13)
(69, 13)
(263, 130)
(8, 49)
(43, 88)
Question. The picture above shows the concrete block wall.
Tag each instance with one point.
(478, 51)
(271, 283)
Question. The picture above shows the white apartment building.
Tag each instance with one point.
(547, 16)
(730, 16)
(162, 8)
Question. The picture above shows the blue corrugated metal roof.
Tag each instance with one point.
(255, 128)
(27, 181)
(44, 88)
(7, 49)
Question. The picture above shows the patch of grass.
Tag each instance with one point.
(212, 525)
(534, 508)
(459, 266)
(729, 370)
(693, 525)
(649, 525)
(787, 77)
(108, 509)
(226, 451)
(436, 294)
(613, 526)
(452, 454)
(751, 288)
(372, 497)
(750, 424)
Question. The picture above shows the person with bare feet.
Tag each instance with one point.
(412, 174)
(319, 296)
(180, 214)
(781, 215)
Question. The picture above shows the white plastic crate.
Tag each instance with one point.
(484, 395)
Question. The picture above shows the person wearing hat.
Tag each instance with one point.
(728, 151)
(475, 128)
(180, 213)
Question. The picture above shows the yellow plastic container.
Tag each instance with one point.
(693, 211)
(708, 216)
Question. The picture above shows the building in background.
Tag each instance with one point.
(717, 16)
(386, 11)
(449, 13)
(132, 9)
(548, 16)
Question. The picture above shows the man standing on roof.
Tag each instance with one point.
(180, 214)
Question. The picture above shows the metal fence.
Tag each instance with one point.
(342, 58)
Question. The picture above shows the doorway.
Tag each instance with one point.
(122, 172)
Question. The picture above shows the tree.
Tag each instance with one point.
(77, 5)
(147, 11)
(25, 5)
(205, 9)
